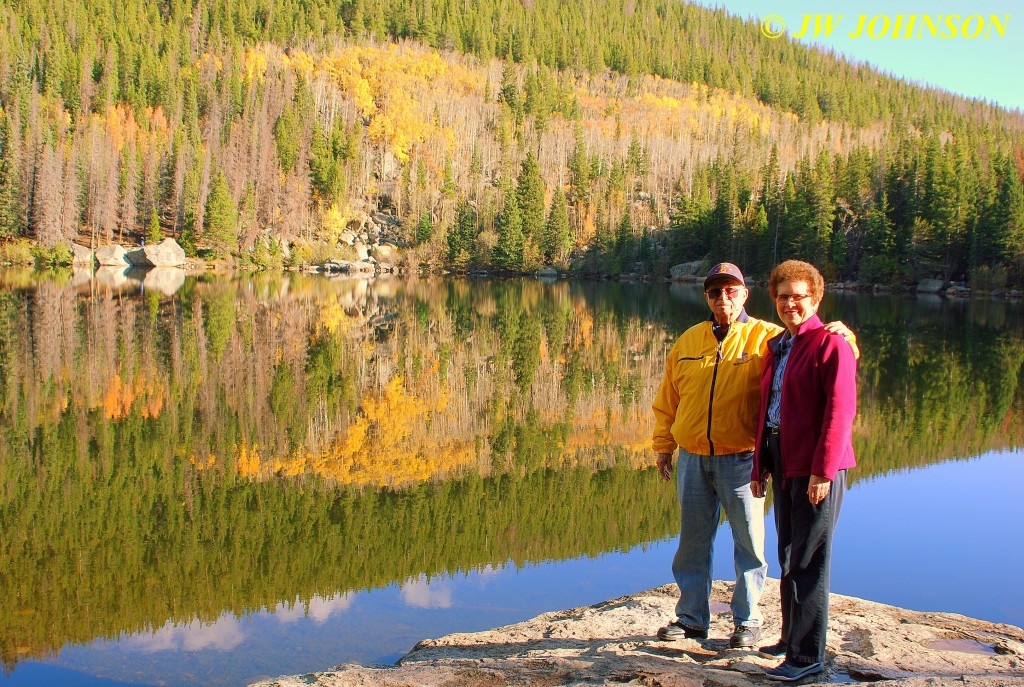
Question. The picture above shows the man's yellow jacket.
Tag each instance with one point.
(709, 398)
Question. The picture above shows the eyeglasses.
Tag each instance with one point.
(730, 292)
(797, 298)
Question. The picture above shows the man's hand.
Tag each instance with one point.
(665, 466)
(839, 327)
(817, 489)
(758, 489)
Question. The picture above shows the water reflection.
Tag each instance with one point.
(223, 634)
(182, 464)
(422, 592)
(319, 609)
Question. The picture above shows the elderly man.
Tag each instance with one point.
(707, 407)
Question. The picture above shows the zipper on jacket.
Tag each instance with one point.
(711, 398)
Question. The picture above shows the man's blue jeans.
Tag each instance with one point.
(705, 485)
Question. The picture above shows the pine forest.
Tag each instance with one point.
(594, 136)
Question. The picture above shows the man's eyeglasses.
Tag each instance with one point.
(797, 298)
(730, 292)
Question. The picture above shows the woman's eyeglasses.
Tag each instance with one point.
(797, 298)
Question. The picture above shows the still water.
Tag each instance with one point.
(231, 478)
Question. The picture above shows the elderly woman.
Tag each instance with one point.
(808, 402)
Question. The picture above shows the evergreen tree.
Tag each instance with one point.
(462, 237)
(326, 163)
(9, 191)
(509, 93)
(579, 172)
(1006, 214)
(722, 219)
(286, 139)
(689, 234)
(636, 158)
(939, 231)
(813, 212)
(425, 229)
(509, 251)
(220, 218)
(556, 239)
(879, 261)
(153, 233)
(625, 250)
(530, 195)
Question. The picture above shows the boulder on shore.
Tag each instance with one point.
(687, 271)
(167, 253)
(112, 255)
(930, 285)
(82, 256)
(383, 253)
(613, 643)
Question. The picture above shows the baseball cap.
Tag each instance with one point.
(724, 270)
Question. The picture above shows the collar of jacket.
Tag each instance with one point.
(722, 331)
(810, 324)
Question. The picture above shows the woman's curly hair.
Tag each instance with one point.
(798, 270)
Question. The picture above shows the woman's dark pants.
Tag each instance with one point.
(805, 556)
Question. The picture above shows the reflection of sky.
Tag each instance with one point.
(421, 592)
(223, 635)
(318, 609)
(938, 538)
(942, 538)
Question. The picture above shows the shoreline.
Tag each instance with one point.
(379, 254)
(614, 643)
(340, 270)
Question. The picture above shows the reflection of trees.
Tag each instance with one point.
(256, 439)
(936, 382)
(153, 542)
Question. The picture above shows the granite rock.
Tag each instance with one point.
(613, 643)
(112, 255)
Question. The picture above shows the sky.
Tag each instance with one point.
(987, 66)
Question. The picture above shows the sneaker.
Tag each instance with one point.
(776, 649)
(744, 637)
(676, 630)
(787, 671)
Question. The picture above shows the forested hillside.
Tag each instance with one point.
(607, 137)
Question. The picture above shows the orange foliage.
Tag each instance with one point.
(248, 460)
(383, 445)
(611, 426)
(123, 129)
(201, 465)
(120, 396)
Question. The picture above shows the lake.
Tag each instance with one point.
(238, 477)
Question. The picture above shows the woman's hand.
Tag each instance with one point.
(817, 489)
(758, 489)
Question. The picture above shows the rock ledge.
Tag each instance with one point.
(613, 643)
